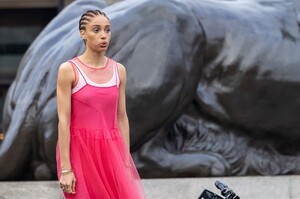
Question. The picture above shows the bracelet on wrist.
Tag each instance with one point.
(66, 171)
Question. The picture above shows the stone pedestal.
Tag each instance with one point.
(281, 187)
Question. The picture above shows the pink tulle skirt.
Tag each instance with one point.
(102, 165)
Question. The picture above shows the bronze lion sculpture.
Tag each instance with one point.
(213, 88)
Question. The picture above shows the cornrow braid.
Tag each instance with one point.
(87, 17)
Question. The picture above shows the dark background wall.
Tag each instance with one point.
(20, 22)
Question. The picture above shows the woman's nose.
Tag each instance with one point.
(103, 35)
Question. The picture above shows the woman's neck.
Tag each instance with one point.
(93, 59)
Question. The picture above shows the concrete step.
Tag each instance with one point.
(279, 187)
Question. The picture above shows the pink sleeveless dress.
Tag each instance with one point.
(101, 161)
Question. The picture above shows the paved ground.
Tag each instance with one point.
(279, 187)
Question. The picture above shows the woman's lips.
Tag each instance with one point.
(103, 44)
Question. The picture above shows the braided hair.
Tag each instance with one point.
(87, 17)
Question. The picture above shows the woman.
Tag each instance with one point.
(93, 158)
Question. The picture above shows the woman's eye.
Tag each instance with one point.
(95, 30)
(107, 30)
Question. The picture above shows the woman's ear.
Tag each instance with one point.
(82, 34)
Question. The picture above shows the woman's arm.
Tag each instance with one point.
(122, 114)
(64, 87)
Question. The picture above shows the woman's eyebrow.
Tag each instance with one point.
(100, 26)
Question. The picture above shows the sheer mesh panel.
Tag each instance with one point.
(97, 75)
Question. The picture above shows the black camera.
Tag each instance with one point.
(225, 191)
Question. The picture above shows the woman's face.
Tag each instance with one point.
(97, 33)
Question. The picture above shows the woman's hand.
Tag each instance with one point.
(68, 183)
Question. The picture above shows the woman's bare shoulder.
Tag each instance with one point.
(65, 72)
(65, 67)
(121, 68)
